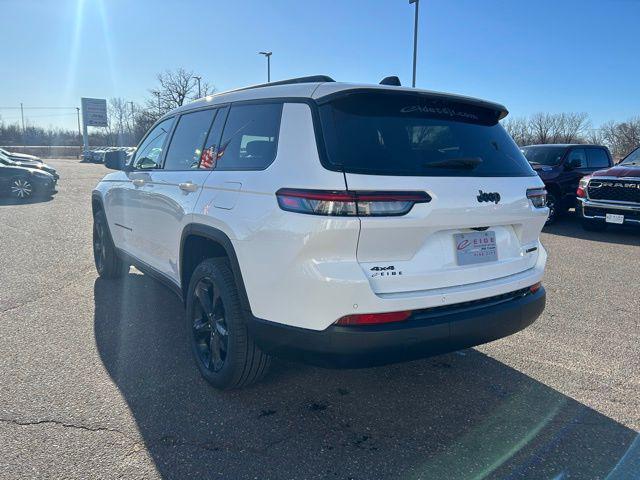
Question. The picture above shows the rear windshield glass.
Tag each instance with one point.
(397, 134)
(541, 155)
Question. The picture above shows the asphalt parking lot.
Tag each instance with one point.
(97, 380)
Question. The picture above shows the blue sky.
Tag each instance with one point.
(531, 55)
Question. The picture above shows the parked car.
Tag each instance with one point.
(96, 155)
(561, 166)
(339, 224)
(19, 157)
(23, 183)
(29, 164)
(612, 195)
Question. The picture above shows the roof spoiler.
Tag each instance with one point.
(498, 111)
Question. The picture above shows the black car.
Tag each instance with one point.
(29, 164)
(20, 157)
(22, 183)
(561, 166)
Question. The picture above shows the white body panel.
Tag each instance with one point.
(425, 250)
(167, 210)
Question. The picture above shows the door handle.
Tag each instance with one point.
(188, 186)
(138, 182)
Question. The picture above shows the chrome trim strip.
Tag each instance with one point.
(611, 204)
(600, 217)
(637, 179)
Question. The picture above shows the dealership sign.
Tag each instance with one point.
(94, 112)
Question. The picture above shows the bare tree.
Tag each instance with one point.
(542, 126)
(118, 115)
(175, 88)
(571, 127)
(519, 129)
(596, 136)
(548, 128)
(621, 137)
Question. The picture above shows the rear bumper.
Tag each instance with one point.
(597, 211)
(428, 332)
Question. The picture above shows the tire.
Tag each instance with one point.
(554, 209)
(21, 188)
(221, 343)
(593, 225)
(106, 258)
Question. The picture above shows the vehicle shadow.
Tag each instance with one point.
(10, 201)
(569, 226)
(455, 416)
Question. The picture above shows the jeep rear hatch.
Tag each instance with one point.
(478, 224)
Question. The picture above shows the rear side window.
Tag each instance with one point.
(578, 157)
(400, 134)
(250, 137)
(212, 151)
(188, 139)
(597, 158)
(544, 155)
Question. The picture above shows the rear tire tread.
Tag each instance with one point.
(254, 362)
(114, 267)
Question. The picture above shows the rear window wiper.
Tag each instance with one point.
(462, 163)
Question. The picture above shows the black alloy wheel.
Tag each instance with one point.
(99, 249)
(552, 205)
(209, 326)
(108, 262)
(221, 342)
(21, 188)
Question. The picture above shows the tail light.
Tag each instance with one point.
(349, 203)
(374, 318)
(538, 197)
(582, 187)
(535, 287)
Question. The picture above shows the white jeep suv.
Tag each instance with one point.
(340, 224)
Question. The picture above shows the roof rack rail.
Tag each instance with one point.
(289, 81)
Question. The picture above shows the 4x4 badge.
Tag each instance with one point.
(385, 271)
(488, 197)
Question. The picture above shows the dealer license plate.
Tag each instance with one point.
(614, 218)
(476, 247)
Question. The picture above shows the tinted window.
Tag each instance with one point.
(250, 137)
(633, 158)
(149, 152)
(543, 155)
(597, 158)
(212, 145)
(578, 157)
(188, 139)
(383, 134)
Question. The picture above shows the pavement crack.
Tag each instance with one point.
(62, 424)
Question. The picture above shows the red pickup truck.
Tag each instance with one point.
(612, 195)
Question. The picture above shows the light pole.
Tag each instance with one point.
(157, 94)
(79, 130)
(133, 117)
(22, 115)
(268, 55)
(415, 40)
(198, 80)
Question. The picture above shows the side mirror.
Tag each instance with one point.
(115, 160)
